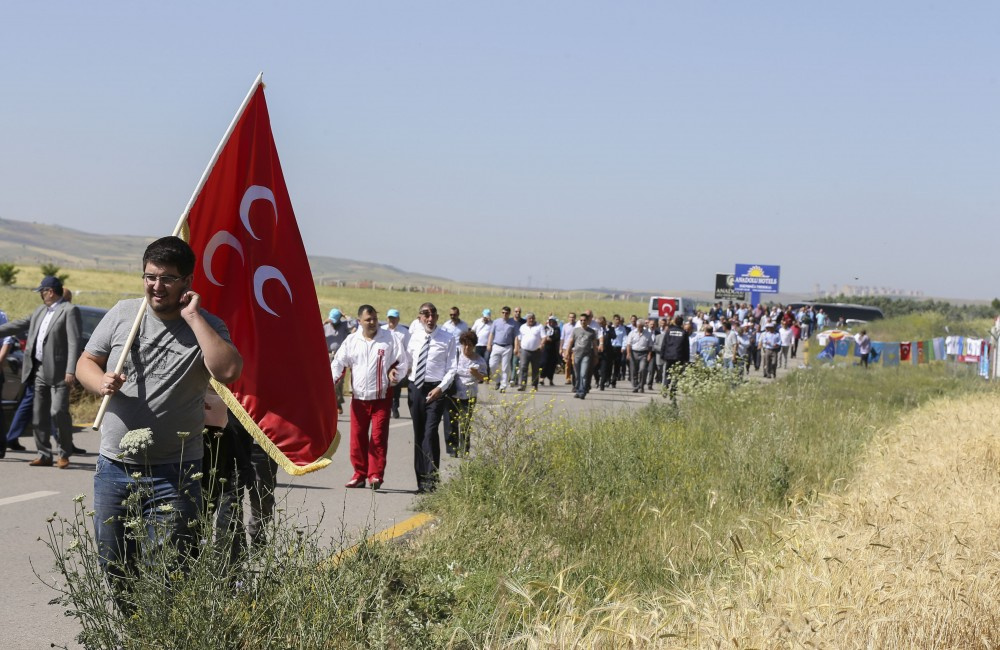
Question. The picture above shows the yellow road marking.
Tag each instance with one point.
(394, 531)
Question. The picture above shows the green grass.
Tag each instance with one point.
(925, 326)
(645, 503)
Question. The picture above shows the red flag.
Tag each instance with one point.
(253, 273)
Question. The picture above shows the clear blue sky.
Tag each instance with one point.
(643, 145)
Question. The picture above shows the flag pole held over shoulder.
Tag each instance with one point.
(253, 272)
(177, 231)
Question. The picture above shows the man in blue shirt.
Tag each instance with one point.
(500, 347)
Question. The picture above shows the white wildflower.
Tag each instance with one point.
(136, 440)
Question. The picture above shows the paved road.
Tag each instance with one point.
(29, 495)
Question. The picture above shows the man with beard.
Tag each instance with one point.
(432, 352)
(155, 404)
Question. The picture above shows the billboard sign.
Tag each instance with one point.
(756, 277)
(724, 288)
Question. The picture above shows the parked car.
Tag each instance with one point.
(12, 365)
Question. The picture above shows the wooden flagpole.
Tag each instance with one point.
(177, 230)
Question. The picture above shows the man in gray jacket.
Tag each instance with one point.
(53, 347)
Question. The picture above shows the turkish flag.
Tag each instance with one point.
(252, 272)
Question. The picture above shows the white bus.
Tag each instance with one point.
(668, 307)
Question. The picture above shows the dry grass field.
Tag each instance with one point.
(105, 288)
(906, 557)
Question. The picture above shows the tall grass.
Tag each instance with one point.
(925, 325)
(615, 531)
(643, 504)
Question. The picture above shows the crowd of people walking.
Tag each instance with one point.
(443, 364)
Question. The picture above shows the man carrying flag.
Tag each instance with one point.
(150, 436)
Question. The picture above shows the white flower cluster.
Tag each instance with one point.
(136, 440)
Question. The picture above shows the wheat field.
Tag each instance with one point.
(906, 556)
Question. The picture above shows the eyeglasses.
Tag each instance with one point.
(429, 312)
(165, 280)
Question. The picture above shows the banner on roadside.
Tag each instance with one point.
(725, 284)
(759, 278)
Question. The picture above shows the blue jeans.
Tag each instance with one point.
(22, 417)
(158, 486)
(581, 364)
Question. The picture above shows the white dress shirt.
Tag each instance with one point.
(441, 356)
(455, 330)
(43, 329)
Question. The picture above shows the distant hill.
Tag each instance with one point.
(23, 242)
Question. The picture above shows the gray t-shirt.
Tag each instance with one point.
(583, 340)
(165, 384)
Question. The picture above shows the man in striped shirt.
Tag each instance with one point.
(376, 363)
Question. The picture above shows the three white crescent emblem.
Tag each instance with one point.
(225, 238)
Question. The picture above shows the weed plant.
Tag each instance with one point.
(290, 590)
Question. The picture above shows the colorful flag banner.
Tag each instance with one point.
(843, 347)
(253, 273)
(939, 348)
(905, 350)
(919, 356)
(876, 352)
(890, 354)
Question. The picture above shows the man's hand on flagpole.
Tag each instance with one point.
(112, 383)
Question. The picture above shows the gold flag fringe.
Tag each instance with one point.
(266, 443)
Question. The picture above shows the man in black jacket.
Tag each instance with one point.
(675, 353)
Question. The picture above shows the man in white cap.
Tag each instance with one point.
(336, 330)
(482, 329)
(401, 333)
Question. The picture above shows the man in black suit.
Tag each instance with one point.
(53, 347)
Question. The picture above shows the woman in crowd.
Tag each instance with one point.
(471, 371)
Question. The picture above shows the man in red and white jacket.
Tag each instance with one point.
(376, 362)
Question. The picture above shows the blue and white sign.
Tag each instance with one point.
(757, 277)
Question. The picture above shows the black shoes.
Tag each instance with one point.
(16, 446)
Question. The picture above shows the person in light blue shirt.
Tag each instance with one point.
(500, 347)
(707, 347)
